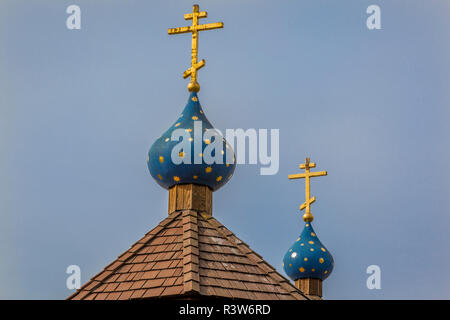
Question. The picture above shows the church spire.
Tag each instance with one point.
(307, 261)
(193, 85)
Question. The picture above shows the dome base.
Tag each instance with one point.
(190, 197)
(310, 287)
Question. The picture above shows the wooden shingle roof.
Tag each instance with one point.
(188, 255)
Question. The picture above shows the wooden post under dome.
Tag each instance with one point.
(190, 197)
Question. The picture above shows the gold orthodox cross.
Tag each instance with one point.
(195, 28)
(307, 217)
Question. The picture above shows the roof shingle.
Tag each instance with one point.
(189, 254)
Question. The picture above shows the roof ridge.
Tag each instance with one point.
(191, 278)
(255, 257)
(121, 259)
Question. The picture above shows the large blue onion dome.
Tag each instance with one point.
(199, 162)
(308, 257)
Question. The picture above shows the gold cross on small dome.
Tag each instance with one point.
(194, 29)
(307, 217)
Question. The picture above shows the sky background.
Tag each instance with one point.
(79, 110)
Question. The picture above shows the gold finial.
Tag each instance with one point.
(307, 217)
(195, 28)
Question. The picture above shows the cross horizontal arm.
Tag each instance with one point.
(179, 30)
(318, 174)
(200, 27)
(209, 26)
(310, 165)
(297, 176)
(309, 174)
(188, 16)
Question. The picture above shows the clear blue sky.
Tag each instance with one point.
(79, 110)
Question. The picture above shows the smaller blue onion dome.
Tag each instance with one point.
(308, 257)
(196, 163)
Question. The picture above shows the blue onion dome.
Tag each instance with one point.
(308, 257)
(191, 151)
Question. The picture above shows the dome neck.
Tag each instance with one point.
(311, 287)
(190, 197)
